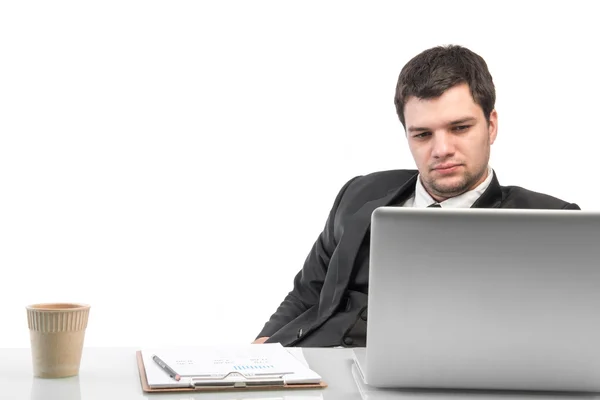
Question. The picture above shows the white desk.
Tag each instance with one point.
(112, 374)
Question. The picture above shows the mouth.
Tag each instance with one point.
(446, 168)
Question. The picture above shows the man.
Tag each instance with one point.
(445, 100)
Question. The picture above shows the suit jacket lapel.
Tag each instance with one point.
(350, 243)
(492, 197)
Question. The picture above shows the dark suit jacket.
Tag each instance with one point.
(321, 310)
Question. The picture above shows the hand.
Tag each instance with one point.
(260, 340)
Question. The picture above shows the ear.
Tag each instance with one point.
(493, 126)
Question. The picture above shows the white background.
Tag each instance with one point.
(172, 162)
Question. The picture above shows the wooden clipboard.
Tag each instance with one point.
(147, 389)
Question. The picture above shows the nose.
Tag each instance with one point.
(443, 146)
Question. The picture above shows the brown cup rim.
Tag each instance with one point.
(58, 307)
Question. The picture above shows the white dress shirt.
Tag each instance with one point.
(422, 199)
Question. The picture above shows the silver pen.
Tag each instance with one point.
(166, 368)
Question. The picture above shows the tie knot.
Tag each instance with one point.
(434, 205)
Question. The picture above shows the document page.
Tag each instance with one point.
(249, 360)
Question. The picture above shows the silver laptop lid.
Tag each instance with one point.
(484, 299)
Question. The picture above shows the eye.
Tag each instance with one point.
(461, 128)
(421, 135)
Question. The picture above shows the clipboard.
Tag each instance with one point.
(228, 385)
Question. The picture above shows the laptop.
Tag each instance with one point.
(491, 299)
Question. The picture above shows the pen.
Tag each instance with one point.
(166, 368)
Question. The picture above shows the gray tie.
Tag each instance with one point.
(434, 205)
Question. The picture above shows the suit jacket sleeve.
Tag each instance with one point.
(309, 281)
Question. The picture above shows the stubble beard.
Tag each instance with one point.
(457, 188)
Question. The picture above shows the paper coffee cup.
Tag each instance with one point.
(57, 332)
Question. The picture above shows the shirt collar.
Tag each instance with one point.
(465, 200)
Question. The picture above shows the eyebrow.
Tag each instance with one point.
(413, 129)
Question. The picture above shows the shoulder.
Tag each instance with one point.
(365, 188)
(518, 197)
(378, 184)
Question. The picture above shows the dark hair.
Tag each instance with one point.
(429, 74)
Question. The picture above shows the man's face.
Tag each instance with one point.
(450, 140)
